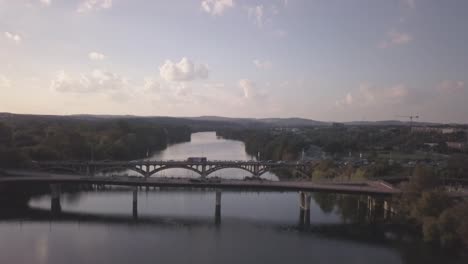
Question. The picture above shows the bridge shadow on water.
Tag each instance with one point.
(358, 227)
(342, 230)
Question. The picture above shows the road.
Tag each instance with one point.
(366, 187)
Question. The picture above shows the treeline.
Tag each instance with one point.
(267, 146)
(327, 169)
(63, 139)
(339, 140)
(330, 170)
(441, 219)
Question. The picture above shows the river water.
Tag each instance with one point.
(178, 226)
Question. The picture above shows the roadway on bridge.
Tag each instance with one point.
(367, 187)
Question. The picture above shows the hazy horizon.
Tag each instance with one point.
(402, 119)
(362, 60)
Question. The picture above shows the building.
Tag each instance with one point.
(462, 146)
(440, 130)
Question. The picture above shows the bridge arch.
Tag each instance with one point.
(104, 169)
(162, 168)
(266, 169)
(217, 168)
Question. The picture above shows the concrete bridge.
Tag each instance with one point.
(370, 189)
(147, 168)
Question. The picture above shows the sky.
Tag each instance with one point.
(329, 60)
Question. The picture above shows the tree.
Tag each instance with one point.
(5, 135)
(431, 203)
(449, 223)
(430, 230)
(423, 178)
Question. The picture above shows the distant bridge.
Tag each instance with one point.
(147, 168)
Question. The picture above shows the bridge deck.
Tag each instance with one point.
(371, 187)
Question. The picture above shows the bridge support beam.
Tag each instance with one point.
(135, 203)
(55, 206)
(203, 171)
(256, 171)
(371, 206)
(218, 208)
(304, 212)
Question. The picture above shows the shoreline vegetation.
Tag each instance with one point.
(121, 139)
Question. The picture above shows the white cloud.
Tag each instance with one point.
(449, 86)
(349, 99)
(151, 85)
(45, 2)
(216, 7)
(183, 71)
(4, 82)
(368, 94)
(96, 56)
(257, 14)
(90, 5)
(394, 38)
(247, 87)
(263, 65)
(13, 37)
(96, 81)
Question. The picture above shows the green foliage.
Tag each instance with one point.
(457, 166)
(431, 204)
(5, 136)
(360, 174)
(449, 224)
(423, 178)
(71, 139)
(430, 230)
(443, 221)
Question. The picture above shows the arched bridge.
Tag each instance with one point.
(147, 168)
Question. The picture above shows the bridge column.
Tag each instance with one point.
(256, 170)
(203, 169)
(147, 171)
(386, 208)
(218, 208)
(371, 208)
(135, 203)
(304, 212)
(55, 206)
(90, 170)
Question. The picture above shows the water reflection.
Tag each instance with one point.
(254, 226)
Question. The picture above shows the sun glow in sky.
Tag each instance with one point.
(324, 60)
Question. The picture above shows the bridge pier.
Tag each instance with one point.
(135, 203)
(203, 171)
(304, 212)
(218, 208)
(370, 207)
(55, 206)
(256, 171)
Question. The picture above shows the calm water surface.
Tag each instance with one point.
(178, 226)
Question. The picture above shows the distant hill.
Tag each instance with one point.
(277, 122)
(202, 122)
